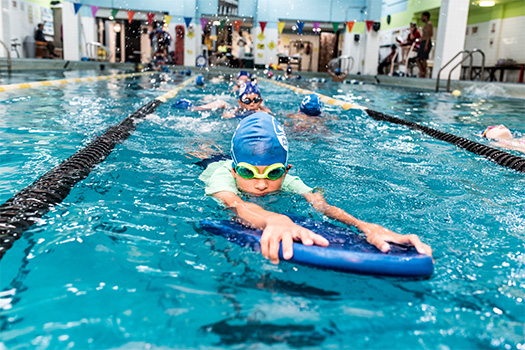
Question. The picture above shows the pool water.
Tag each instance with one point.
(122, 264)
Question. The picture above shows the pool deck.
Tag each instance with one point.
(507, 90)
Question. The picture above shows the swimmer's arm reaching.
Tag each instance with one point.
(276, 228)
(211, 106)
(375, 234)
(229, 114)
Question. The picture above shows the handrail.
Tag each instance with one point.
(92, 50)
(449, 62)
(482, 64)
(8, 57)
(392, 63)
(457, 65)
(348, 63)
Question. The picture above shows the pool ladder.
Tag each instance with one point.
(8, 57)
(469, 54)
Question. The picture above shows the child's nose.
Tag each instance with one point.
(261, 184)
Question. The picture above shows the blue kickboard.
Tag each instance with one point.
(347, 251)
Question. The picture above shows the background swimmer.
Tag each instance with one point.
(337, 76)
(242, 78)
(250, 102)
(504, 137)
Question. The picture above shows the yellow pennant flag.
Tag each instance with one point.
(167, 19)
(280, 26)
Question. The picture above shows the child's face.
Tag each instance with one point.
(259, 187)
(253, 106)
(242, 79)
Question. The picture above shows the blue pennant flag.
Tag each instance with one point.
(77, 7)
(300, 26)
(188, 21)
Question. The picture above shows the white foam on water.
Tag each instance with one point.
(484, 90)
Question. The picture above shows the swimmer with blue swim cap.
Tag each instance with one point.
(242, 78)
(200, 82)
(259, 166)
(250, 102)
(337, 75)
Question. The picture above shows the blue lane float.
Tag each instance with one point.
(348, 251)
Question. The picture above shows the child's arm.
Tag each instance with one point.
(276, 228)
(375, 234)
(212, 105)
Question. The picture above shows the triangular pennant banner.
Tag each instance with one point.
(223, 23)
(94, 10)
(350, 25)
(280, 26)
(316, 27)
(167, 19)
(335, 25)
(114, 13)
(237, 25)
(131, 14)
(369, 25)
(187, 20)
(77, 7)
(300, 26)
(263, 25)
(151, 17)
(204, 21)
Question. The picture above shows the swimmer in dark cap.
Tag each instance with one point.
(250, 102)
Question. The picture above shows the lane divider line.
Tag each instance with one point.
(26, 207)
(496, 155)
(37, 84)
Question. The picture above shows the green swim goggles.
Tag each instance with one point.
(248, 171)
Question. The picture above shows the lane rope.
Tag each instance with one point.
(57, 82)
(24, 209)
(496, 155)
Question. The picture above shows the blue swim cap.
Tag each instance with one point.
(249, 88)
(311, 105)
(338, 71)
(259, 140)
(188, 71)
(182, 104)
(243, 73)
(199, 81)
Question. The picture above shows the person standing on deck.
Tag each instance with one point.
(425, 45)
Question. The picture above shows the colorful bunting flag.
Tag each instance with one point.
(223, 23)
(237, 25)
(316, 27)
(77, 7)
(280, 26)
(131, 14)
(204, 21)
(263, 25)
(167, 19)
(350, 25)
(151, 17)
(94, 10)
(114, 13)
(187, 20)
(369, 25)
(300, 26)
(335, 25)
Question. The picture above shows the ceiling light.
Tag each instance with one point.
(486, 3)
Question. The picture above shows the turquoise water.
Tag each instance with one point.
(120, 264)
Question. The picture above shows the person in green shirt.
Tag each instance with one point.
(259, 166)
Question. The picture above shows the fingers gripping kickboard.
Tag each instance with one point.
(347, 251)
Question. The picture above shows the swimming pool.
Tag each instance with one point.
(121, 264)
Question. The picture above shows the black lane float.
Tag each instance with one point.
(498, 156)
(23, 210)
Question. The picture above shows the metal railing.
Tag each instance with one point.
(9, 64)
(468, 56)
(97, 51)
(345, 63)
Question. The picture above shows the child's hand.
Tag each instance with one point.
(279, 228)
(379, 236)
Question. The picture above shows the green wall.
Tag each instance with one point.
(476, 14)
